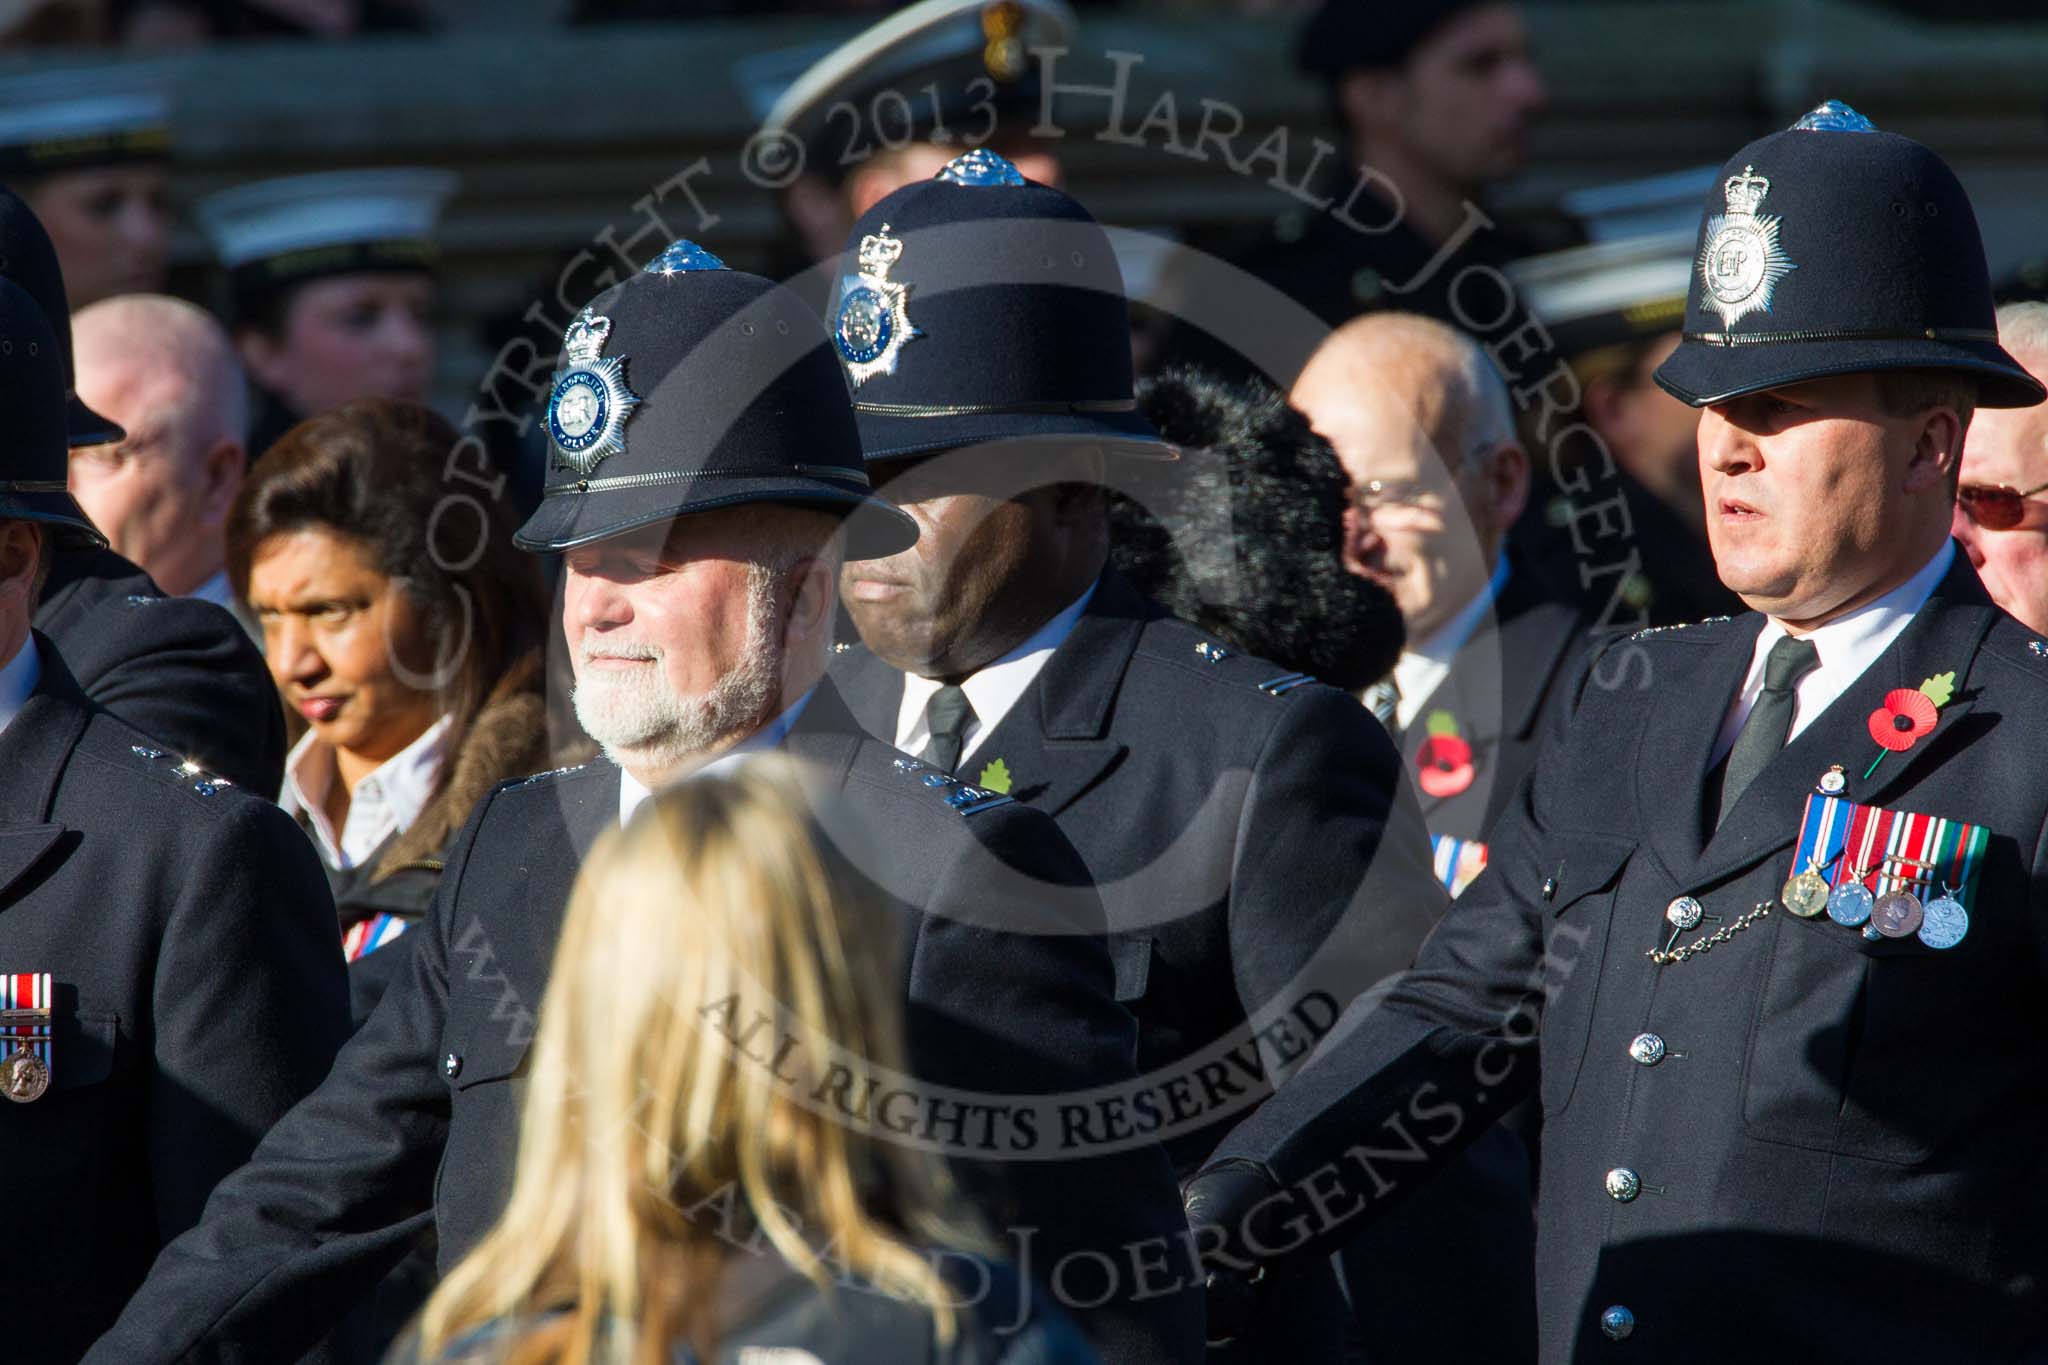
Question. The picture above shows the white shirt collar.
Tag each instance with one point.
(991, 689)
(1848, 646)
(770, 736)
(18, 679)
(216, 590)
(1423, 667)
(385, 802)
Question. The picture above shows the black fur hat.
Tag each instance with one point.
(1242, 537)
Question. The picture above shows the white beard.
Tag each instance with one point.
(642, 722)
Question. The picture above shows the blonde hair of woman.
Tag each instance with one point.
(640, 1107)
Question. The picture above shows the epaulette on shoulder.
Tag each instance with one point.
(1243, 670)
(957, 794)
(1649, 631)
(143, 599)
(2016, 644)
(183, 772)
(548, 776)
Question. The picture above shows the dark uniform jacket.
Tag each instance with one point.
(418, 1121)
(180, 670)
(198, 994)
(1260, 859)
(1833, 1152)
(1502, 680)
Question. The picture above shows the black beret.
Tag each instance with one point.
(1345, 34)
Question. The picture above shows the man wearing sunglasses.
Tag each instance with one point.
(2001, 516)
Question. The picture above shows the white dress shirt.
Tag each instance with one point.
(1423, 667)
(385, 802)
(991, 690)
(18, 680)
(1847, 645)
(770, 736)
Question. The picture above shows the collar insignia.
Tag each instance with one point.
(1742, 261)
(587, 410)
(872, 323)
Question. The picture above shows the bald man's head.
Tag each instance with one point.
(1423, 425)
(167, 372)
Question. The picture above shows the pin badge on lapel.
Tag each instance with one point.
(1907, 715)
(995, 776)
(1443, 765)
(25, 1044)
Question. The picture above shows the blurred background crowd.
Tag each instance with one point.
(319, 256)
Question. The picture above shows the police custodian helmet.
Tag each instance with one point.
(37, 453)
(28, 258)
(1834, 248)
(689, 387)
(979, 306)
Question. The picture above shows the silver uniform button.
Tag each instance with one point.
(1623, 1184)
(1617, 1322)
(1684, 913)
(451, 1067)
(1647, 1048)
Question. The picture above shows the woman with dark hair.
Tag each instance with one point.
(401, 624)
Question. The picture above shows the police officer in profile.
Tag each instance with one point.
(169, 983)
(332, 288)
(1258, 854)
(178, 669)
(706, 469)
(89, 150)
(1769, 912)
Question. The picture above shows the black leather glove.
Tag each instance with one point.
(1231, 1212)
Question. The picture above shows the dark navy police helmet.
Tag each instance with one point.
(690, 387)
(981, 307)
(1834, 248)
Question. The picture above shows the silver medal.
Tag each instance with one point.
(1849, 905)
(1944, 922)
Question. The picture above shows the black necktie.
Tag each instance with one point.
(1770, 720)
(946, 715)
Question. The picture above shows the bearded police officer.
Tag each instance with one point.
(705, 459)
(1770, 909)
(181, 671)
(1257, 852)
(169, 980)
